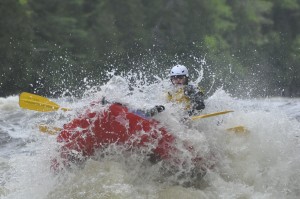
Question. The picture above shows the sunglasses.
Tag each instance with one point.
(178, 77)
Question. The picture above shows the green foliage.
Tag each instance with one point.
(287, 4)
(53, 47)
(15, 36)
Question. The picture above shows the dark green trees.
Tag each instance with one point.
(56, 46)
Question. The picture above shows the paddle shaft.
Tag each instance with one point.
(38, 103)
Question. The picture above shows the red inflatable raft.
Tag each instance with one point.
(116, 124)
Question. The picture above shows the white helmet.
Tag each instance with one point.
(179, 70)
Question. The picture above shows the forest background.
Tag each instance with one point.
(250, 48)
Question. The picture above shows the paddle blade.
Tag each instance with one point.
(37, 103)
(49, 130)
(238, 129)
(210, 115)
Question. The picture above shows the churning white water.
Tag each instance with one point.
(263, 162)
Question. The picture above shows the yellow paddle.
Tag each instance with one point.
(209, 115)
(238, 129)
(38, 103)
(53, 130)
(49, 130)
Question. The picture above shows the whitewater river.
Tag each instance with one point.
(262, 163)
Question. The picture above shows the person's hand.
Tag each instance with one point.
(160, 108)
(156, 109)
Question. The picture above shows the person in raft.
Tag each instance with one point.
(184, 92)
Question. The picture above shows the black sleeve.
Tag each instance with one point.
(196, 97)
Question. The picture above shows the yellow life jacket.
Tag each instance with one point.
(179, 97)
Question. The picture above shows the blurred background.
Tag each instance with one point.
(250, 48)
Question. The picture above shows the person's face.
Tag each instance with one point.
(179, 79)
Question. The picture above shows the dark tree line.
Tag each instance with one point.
(251, 47)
